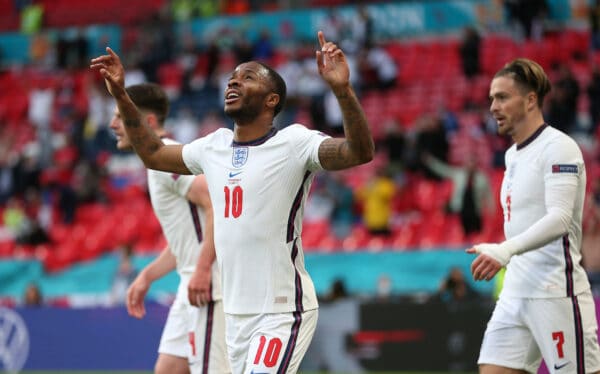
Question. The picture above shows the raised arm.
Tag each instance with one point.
(357, 146)
(146, 144)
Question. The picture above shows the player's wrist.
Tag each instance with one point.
(496, 251)
(511, 247)
(203, 267)
(343, 90)
(145, 278)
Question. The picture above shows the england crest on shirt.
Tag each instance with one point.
(239, 156)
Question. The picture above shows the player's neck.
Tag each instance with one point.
(528, 129)
(249, 132)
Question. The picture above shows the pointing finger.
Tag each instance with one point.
(321, 38)
(102, 58)
(112, 53)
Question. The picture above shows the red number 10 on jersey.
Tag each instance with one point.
(233, 201)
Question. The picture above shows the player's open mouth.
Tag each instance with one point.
(231, 97)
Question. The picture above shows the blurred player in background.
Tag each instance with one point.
(259, 178)
(182, 205)
(545, 308)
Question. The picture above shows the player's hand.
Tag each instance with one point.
(112, 71)
(332, 64)
(135, 297)
(484, 267)
(199, 288)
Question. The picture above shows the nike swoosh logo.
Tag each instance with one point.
(231, 175)
(558, 367)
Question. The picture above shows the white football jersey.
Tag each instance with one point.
(258, 190)
(548, 159)
(181, 220)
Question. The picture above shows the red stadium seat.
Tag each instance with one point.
(7, 248)
(358, 239)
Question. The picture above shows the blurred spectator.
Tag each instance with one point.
(311, 88)
(27, 170)
(471, 192)
(7, 180)
(41, 110)
(384, 288)
(156, 44)
(331, 200)
(332, 25)
(291, 71)
(33, 296)
(263, 49)
(38, 217)
(126, 273)
(134, 74)
(186, 10)
(334, 124)
(592, 220)
(343, 216)
(41, 51)
(97, 135)
(64, 100)
(188, 60)
(362, 28)
(396, 146)
(337, 291)
(14, 217)
(591, 235)
(32, 16)
(429, 137)
(529, 16)
(448, 118)
(320, 203)
(378, 70)
(59, 179)
(469, 52)
(377, 197)
(212, 55)
(183, 10)
(593, 91)
(243, 49)
(455, 288)
(594, 20)
(562, 106)
(72, 49)
(88, 181)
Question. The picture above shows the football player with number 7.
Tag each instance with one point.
(545, 309)
(259, 178)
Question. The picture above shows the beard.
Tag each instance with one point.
(248, 110)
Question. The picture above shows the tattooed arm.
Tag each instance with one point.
(146, 143)
(357, 147)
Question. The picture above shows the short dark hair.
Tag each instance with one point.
(529, 75)
(279, 86)
(151, 97)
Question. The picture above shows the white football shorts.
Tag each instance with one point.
(197, 334)
(269, 343)
(561, 330)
